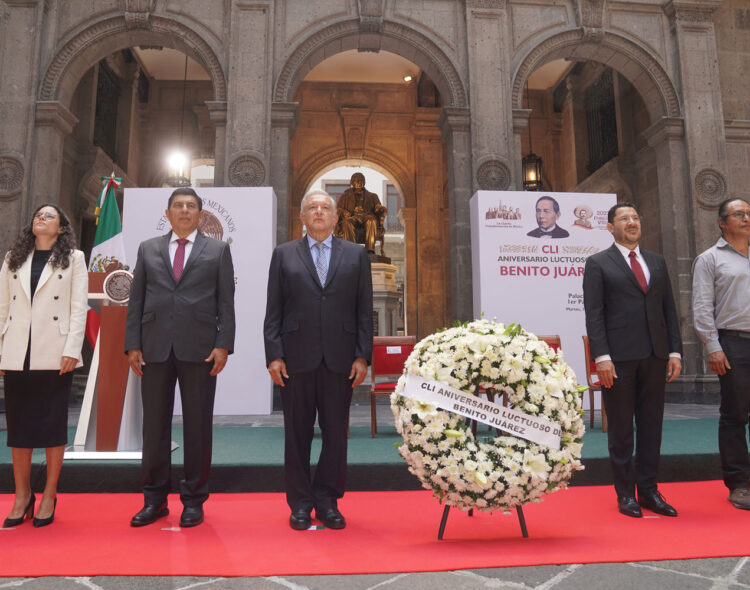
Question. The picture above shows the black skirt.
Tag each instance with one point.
(36, 408)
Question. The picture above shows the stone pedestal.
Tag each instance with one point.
(385, 299)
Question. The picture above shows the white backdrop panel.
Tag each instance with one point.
(537, 282)
(246, 218)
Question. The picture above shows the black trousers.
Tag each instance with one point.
(197, 392)
(328, 395)
(734, 411)
(637, 393)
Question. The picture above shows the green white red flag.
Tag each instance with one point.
(109, 249)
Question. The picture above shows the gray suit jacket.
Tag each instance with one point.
(307, 323)
(191, 316)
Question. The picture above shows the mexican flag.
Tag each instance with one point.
(109, 248)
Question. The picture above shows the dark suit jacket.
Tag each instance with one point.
(306, 323)
(623, 321)
(190, 317)
(558, 232)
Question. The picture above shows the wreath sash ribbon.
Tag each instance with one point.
(533, 428)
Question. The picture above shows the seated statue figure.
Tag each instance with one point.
(361, 215)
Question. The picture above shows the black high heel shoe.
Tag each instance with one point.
(28, 513)
(39, 522)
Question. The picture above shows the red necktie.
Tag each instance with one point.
(638, 271)
(179, 259)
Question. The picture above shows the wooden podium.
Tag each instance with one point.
(104, 410)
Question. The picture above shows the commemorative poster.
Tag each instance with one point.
(245, 217)
(529, 250)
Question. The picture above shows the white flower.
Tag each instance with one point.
(535, 464)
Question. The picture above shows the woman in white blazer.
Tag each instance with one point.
(43, 303)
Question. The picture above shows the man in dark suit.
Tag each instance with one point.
(180, 327)
(318, 339)
(547, 214)
(634, 336)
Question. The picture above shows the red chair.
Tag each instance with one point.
(594, 384)
(388, 356)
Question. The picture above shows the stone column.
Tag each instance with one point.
(455, 125)
(432, 247)
(698, 69)
(409, 215)
(284, 117)
(54, 123)
(20, 39)
(125, 109)
(249, 121)
(488, 33)
(217, 112)
(666, 138)
(520, 124)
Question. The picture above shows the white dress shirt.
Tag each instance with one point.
(188, 247)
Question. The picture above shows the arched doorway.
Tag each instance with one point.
(426, 149)
(390, 125)
(66, 117)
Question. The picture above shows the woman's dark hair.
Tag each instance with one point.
(61, 250)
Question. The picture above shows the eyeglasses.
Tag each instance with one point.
(739, 214)
(45, 215)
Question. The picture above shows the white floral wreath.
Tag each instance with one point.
(493, 472)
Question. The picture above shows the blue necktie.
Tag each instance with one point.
(322, 264)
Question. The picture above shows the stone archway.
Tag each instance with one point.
(394, 37)
(90, 45)
(83, 49)
(643, 70)
(441, 287)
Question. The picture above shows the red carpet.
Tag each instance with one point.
(248, 535)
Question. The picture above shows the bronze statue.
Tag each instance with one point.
(361, 215)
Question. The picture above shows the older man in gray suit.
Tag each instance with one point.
(180, 328)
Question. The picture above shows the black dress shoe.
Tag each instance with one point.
(299, 520)
(628, 506)
(330, 517)
(655, 502)
(40, 522)
(149, 513)
(28, 513)
(191, 516)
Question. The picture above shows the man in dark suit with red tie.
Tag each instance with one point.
(180, 328)
(634, 337)
(318, 339)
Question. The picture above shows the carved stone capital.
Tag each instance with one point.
(665, 129)
(454, 120)
(54, 114)
(521, 120)
(247, 169)
(11, 174)
(285, 114)
(217, 112)
(692, 12)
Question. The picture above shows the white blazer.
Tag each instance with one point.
(57, 317)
